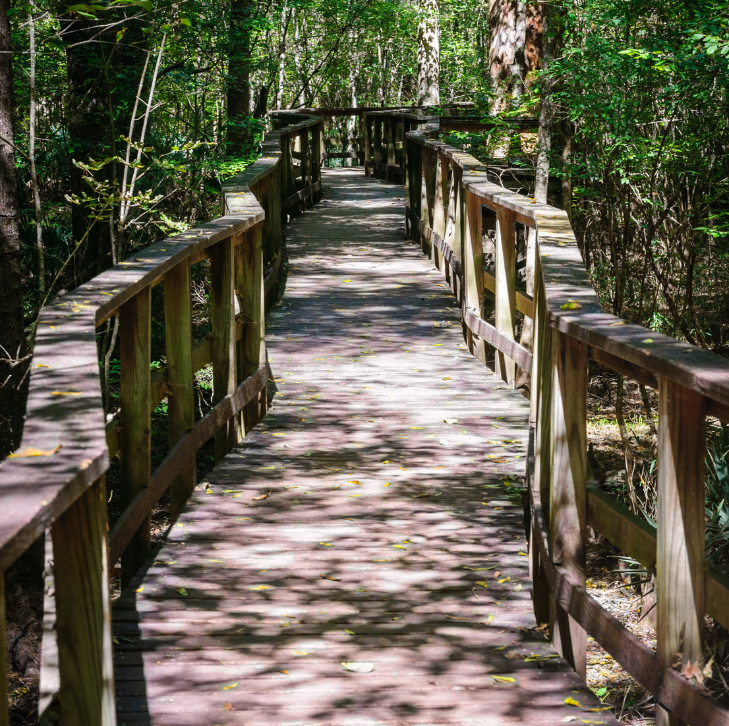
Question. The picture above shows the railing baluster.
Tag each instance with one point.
(180, 400)
(134, 399)
(223, 344)
(368, 155)
(249, 288)
(568, 500)
(473, 270)
(316, 143)
(440, 192)
(83, 613)
(680, 565)
(505, 288)
(305, 165)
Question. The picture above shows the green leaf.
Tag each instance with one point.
(185, 21)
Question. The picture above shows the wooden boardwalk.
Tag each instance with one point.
(359, 558)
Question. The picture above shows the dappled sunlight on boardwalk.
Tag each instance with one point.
(360, 557)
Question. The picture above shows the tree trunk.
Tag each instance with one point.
(12, 338)
(239, 72)
(428, 54)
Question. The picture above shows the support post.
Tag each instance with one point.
(223, 343)
(305, 167)
(368, 156)
(316, 135)
(568, 500)
(134, 397)
(180, 400)
(249, 288)
(83, 612)
(505, 288)
(440, 194)
(680, 564)
(473, 270)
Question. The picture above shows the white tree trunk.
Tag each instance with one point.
(428, 54)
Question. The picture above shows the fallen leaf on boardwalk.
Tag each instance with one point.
(386, 560)
(329, 577)
(278, 434)
(358, 667)
(214, 560)
(284, 672)
(479, 569)
(65, 393)
(346, 281)
(261, 496)
(234, 491)
(261, 587)
(182, 591)
(349, 632)
(30, 451)
(301, 652)
(326, 544)
(503, 580)
(354, 482)
(572, 702)
(523, 554)
(447, 378)
(571, 306)
(417, 428)
(591, 720)
(482, 583)
(519, 588)
(504, 679)
(387, 461)
(265, 468)
(140, 589)
(451, 617)
(399, 547)
(227, 707)
(450, 420)
(386, 484)
(355, 495)
(232, 685)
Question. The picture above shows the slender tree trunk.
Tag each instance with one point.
(428, 54)
(239, 73)
(285, 18)
(12, 338)
(31, 154)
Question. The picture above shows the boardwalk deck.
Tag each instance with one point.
(359, 558)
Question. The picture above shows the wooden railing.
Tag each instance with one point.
(56, 478)
(446, 192)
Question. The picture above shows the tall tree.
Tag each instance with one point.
(12, 337)
(239, 72)
(428, 54)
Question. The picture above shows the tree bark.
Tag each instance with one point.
(12, 337)
(428, 54)
(239, 74)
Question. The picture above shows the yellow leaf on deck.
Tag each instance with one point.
(140, 589)
(346, 281)
(354, 482)
(284, 672)
(399, 547)
(30, 451)
(503, 580)
(227, 707)
(447, 378)
(572, 702)
(65, 393)
(227, 688)
(349, 632)
(326, 544)
(386, 484)
(261, 587)
(504, 679)
(482, 583)
(182, 591)
(42, 365)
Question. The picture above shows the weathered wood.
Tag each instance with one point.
(302, 194)
(250, 291)
(524, 302)
(502, 343)
(134, 396)
(628, 369)
(178, 459)
(223, 343)
(505, 249)
(317, 145)
(568, 484)
(440, 210)
(306, 180)
(83, 614)
(473, 296)
(680, 590)
(179, 376)
(4, 713)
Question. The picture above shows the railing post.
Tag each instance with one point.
(134, 399)
(540, 417)
(305, 167)
(427, 214)
(83, 612)
(456, 240)
(180, 400)
(249, 288)
(680, 564)
(505, 288)
(473, 270)
(4, 713)
(316, 137)
(439, 210)
(568, 500)
(223, 343)
(377, 143)
(391, 161)
(415, 175)
(368, 157)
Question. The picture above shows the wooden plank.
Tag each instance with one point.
(491, 335)
(524, 302)
(505, 249)
(179, 376)
(83, 613)
(473, 296)
(134, 394)
(250, 290)
(4, 713)
(632, 371)
(301, 195)
(223, 342)
(568, 486)
(680, 590)
(178, 458)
